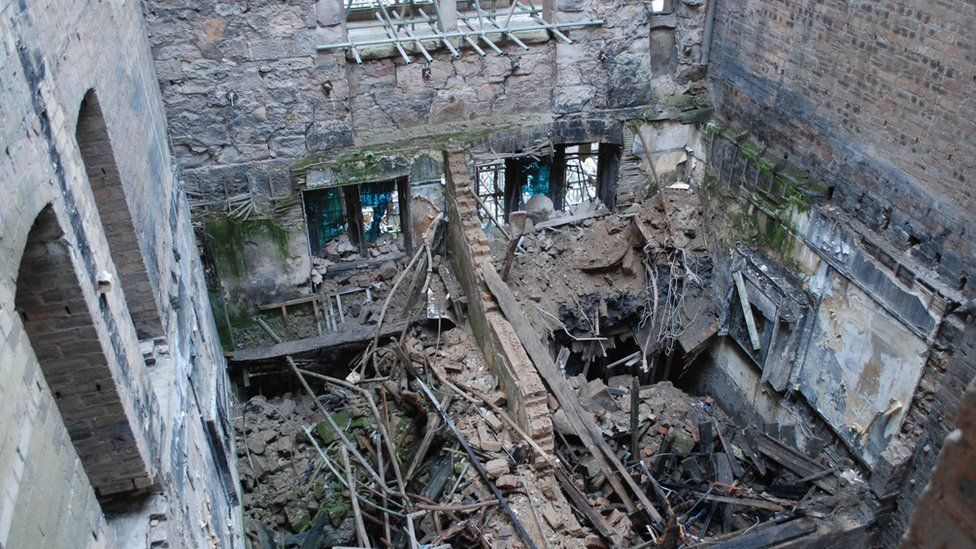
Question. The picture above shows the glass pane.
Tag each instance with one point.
(326, 213)
(536, 180)
(381, 210)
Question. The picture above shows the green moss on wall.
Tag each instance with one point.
(227, 238)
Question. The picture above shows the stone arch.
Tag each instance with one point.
(56, 316)
(113, 210)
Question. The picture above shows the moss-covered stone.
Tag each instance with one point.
(227, 237)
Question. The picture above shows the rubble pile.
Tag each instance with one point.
(291, 464)
(412, 442)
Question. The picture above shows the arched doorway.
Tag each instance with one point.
(56, 316)
(103, 175)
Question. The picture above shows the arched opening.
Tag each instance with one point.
(58, 322)
(103, 175)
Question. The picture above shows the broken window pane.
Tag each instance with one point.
(490, 188)
(327, 220)
(536, 180)
(381, 210)
(581, 174)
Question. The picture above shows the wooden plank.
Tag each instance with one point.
(359, 334)
(745, 502)
(566, 220)
(582, 421)
(579, 500)
(290, 302)
(773, 535)
(795, 461)
(740, 288)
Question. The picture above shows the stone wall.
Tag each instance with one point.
(153, 397)
(790, 216)
(874, 98)
(247, 95)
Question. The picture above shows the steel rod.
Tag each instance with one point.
(420, 45)
(391, 32)
(477, 464)
(438, 34)
(485, 38)
(462, 34)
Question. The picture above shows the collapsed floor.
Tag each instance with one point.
(295, 466)
(408, 411)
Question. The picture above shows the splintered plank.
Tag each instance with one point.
(773, 535)
(359, 334)
(795, 461)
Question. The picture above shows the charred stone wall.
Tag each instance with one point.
(876, 101)
(80, 384)
(791, 217)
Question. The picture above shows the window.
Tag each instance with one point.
(535, 180)
(380, 210)
(571, 176)
(490, 188)
(326, 215)
(661, 6)
(352, 219)
(581, 174)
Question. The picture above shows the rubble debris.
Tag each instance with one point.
(636, 461)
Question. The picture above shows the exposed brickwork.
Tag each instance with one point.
(56, 317)
(103, 175)
(876, 98)
(527, 396)
(945, 515)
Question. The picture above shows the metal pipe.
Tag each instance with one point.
(543, 26)
(437, 34)
(428, 19)
(390, 30)
(420, 45)
(549, 26)
(491, 44)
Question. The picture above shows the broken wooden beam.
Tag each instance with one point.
(795, 461)
(740, 288)
(359, 334)
(767, 537)
(584, 424)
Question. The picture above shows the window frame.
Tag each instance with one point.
(353, 215)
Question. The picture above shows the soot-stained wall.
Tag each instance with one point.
(158, 393)
(247, 96)
(876, 98)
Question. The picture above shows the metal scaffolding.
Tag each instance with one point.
(405, 22)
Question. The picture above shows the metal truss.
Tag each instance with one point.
(405, 22)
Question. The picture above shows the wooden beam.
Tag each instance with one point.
(359, 334)
(740, 288)
(583, 423)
